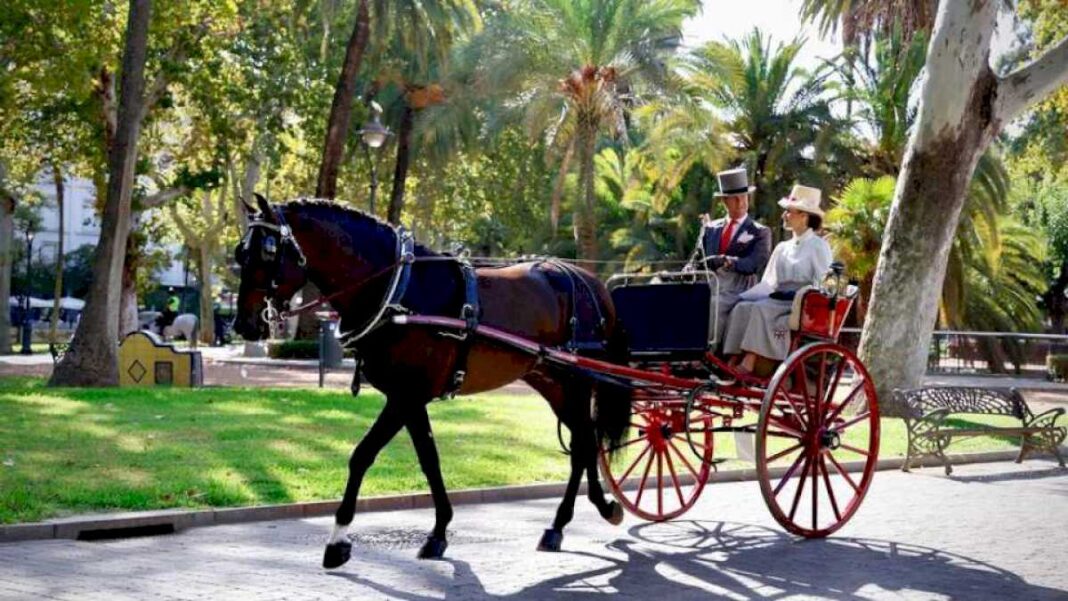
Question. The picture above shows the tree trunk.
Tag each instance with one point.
(93, 356)
(207, 316)
(337, 127)
(585, 215)
(962, 107)
(1055, 301)
(128, 321)
(400, 173)
(57, 289)
(7, 239)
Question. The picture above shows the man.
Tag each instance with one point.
(735, 247)
(170, 310)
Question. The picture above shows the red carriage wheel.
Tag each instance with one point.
(817, 439)
(653, 475)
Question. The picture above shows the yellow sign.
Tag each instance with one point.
(145, 360)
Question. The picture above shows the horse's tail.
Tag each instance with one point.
(612, 403)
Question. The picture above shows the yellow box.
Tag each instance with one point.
(145, 360)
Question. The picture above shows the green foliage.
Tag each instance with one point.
(857, 221)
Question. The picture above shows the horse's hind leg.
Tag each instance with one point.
(610, 511)
(553, 537)
(418, 424)
(389, 422)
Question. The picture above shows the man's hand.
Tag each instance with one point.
(715, 262)
(729, 262)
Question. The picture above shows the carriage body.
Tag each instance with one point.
(814, 424)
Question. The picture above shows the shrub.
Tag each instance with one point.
(1057, 367)
(295, 349)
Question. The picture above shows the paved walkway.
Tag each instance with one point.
(993, 531)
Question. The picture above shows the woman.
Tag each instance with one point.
(759, 325)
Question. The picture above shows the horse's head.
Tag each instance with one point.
(272, 269)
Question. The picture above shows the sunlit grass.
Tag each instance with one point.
(66, 451)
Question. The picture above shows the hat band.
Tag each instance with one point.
(742, 190)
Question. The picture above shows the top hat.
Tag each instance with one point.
(733, 182)
(804, 199)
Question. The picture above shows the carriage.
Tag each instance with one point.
(813, 425)
(651, 416)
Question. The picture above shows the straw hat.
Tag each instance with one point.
(804, 199)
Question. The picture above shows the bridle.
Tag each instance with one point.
(400, 268)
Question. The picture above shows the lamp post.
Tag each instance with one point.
(373, 135)
(27, 329)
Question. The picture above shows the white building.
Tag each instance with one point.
(81, 224)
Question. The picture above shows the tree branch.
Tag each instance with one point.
(1032, 82)
(161, 197)
(191, 239)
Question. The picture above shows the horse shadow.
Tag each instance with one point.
(710, 559)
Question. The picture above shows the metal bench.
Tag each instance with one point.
(927, 412)
(57, 350)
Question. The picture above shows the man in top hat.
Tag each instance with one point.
(735, 247)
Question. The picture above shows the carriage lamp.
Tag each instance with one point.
(27, 326)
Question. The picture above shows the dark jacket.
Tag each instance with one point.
(750, 245)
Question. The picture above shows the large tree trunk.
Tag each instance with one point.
(93, 356)
(57, 289)
(7, 239)
(1056, 304)
(400, 172)
(963, 105)
(337, 128)
(207, 316)
(585, 214)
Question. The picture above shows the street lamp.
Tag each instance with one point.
(373, 135)
(27, 330)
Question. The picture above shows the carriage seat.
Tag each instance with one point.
(816, 315)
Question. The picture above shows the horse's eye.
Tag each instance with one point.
(269, 248)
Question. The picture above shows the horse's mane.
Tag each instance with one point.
(345, 215)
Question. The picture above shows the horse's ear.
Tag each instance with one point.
(250, 210)
(265, 208)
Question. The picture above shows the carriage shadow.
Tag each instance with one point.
(709, 559)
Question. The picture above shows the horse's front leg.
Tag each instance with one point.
(553, 537)
(389, 422)
(418, 424)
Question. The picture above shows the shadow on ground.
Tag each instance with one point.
(710, 559)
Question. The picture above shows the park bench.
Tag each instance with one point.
(927, 413)
(57, 350)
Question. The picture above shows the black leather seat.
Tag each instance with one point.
(664, 319)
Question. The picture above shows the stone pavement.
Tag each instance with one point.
(992, 531)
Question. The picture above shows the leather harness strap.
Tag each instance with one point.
(469, 312)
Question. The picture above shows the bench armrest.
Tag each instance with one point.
(1046, 419)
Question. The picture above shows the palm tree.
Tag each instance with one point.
(856, 230)
(861, 20)
(775, 116)
(571, 70)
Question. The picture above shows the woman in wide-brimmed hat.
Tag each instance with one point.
(759, 325)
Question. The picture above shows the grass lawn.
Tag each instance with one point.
(68, 451)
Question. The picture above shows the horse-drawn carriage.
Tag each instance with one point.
(651, 415)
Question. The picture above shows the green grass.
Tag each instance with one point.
(69, 451)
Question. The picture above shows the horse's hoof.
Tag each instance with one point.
(615, 514)
(550, 541)
(433, 548)
(337, 554)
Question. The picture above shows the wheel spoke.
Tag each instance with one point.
(819, 388)
(815, 490)
(645, 476)
(854, 449)
(630, 469)
(800, 486)
(674, 478)
(786, 452)
(659, 483)
(855, 420)
(801, 415)
(829, 399)
(788, 474)
(785, 429)
(844, 474)
(671, 443)
(857, 387)
(830, 491)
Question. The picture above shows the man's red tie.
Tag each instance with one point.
(725, 239)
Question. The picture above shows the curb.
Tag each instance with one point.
(168, 521)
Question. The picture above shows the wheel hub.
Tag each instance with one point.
(829, 439)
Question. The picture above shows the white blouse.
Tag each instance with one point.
(797, 262)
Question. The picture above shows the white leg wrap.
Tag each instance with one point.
(339, 534)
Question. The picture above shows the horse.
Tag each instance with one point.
(356, 261)
(185, 325)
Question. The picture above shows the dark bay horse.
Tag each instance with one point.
(352, 258)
